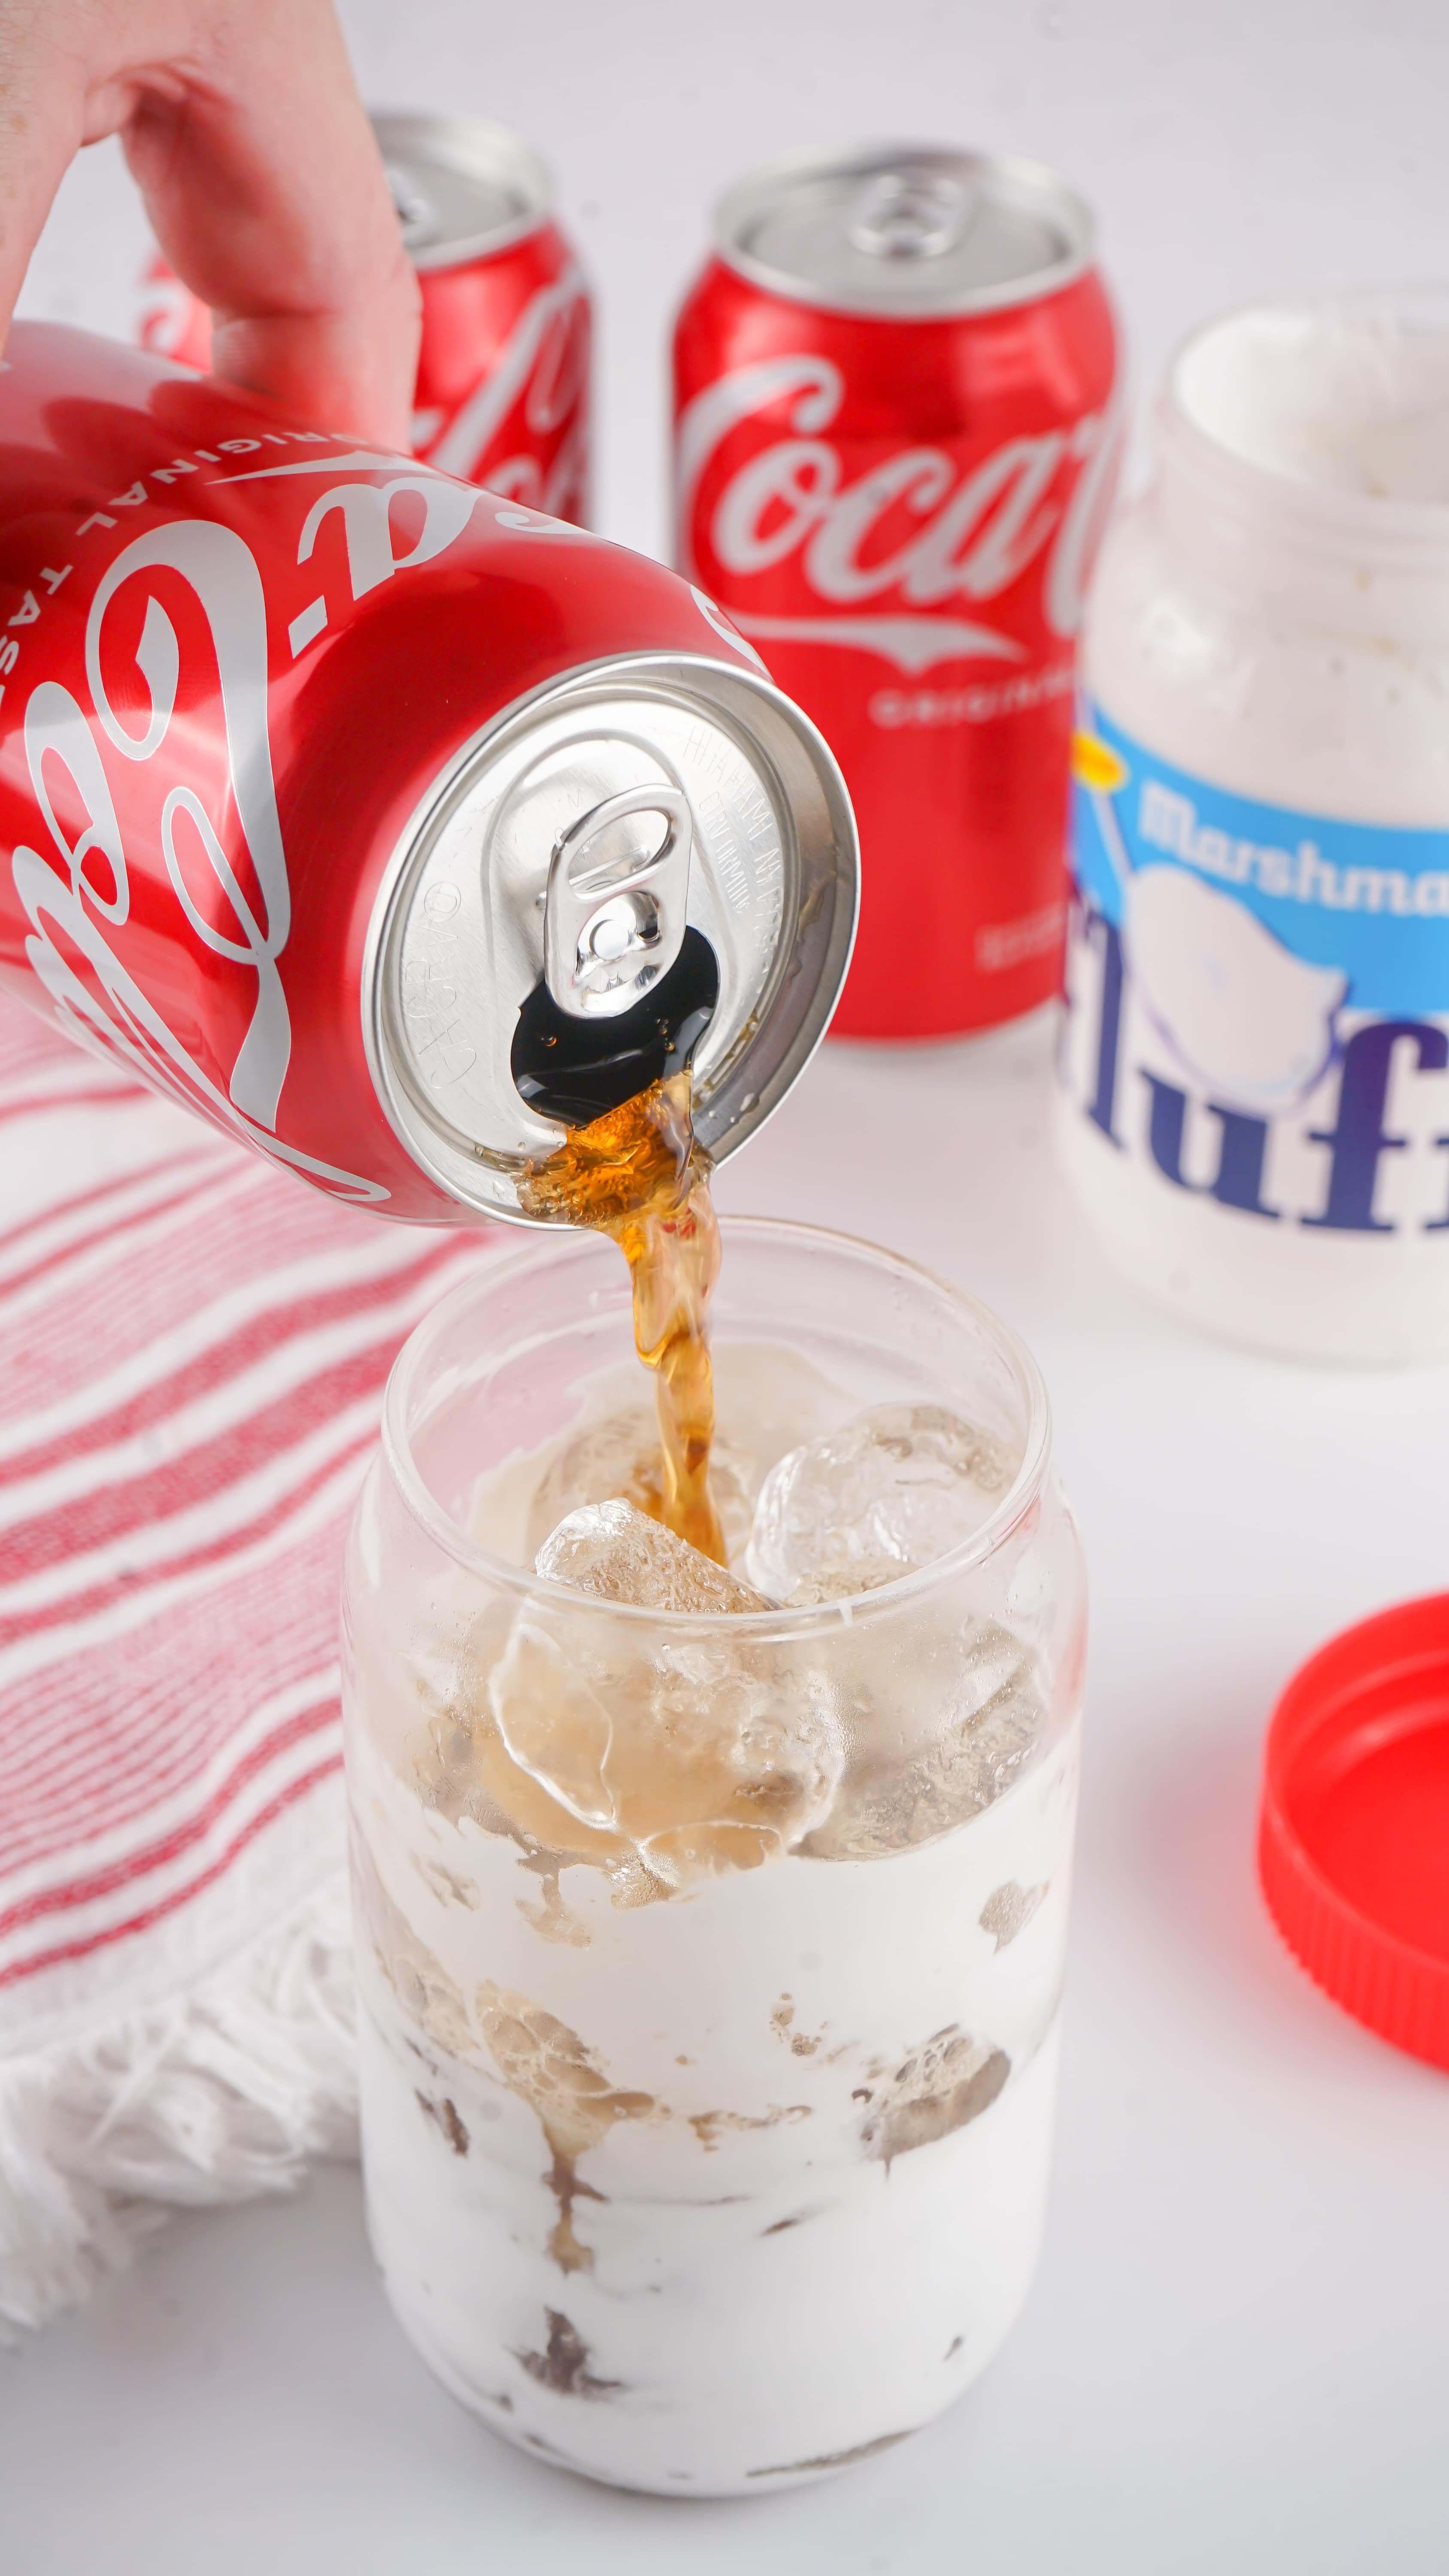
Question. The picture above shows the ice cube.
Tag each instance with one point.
(619, 1457)
(686, 1752)
(885, 1494)
(619, 1554)
(990, 1727)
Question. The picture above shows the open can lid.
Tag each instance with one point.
(463, 187)
(1353, 1829)
(907, 231)
(575, 847)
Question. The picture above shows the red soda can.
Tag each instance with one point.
(387, 822)
(503, 372)
(895, 445)
(502, 394)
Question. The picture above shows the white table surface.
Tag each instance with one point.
(1237, 2352)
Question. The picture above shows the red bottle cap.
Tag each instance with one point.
(1353, 1834)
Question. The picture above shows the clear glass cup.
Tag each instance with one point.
(709, 1966)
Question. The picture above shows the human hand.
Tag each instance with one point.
(243, 129)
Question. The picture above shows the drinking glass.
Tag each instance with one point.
(709, 1964)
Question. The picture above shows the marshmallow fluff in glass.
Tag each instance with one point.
(1257, 1059)
(710, 1951)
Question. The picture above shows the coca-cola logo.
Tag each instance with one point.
(919, 529)
(541, 375)
(245, 915)
(94, 993)
(369, 533)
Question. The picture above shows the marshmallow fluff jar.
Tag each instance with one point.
(710, 1961)
(1256, 1061)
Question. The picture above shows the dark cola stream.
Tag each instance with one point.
(638, 1174)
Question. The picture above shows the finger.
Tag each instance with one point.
(43, 89)
(267, 194)
(261, 176)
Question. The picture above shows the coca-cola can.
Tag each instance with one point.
(895, 445)
(387, 822)
(502, 394)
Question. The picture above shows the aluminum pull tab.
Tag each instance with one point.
(614, 920)
(911, 214)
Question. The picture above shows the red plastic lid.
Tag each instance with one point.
(1353, 1836)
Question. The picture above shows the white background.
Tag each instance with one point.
(1237, 2354)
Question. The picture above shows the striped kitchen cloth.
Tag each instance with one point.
(192, 1352)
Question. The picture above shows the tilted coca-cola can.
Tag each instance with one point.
(502, 394)
(895, 444)
(387, 822)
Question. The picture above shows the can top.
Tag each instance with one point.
(908, 230)
(463, 187)
(656, 837)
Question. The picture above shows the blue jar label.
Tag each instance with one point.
(1260, 997)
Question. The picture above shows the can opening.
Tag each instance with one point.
(576, 1070)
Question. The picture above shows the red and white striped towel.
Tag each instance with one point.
(192, 1351)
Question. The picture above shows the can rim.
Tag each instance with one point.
(474, 147)
(858, 1608)
(1018, 174)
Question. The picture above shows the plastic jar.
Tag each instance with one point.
(709, 1965)
(1256, 1064)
